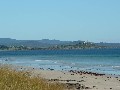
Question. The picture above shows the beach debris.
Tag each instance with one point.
(76, 86)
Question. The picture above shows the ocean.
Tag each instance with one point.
(105, 61)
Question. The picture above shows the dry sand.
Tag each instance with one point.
(77, 80)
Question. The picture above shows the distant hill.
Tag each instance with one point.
(48, 43)
(31, 43)
(109, 45)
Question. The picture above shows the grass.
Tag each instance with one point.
(19, 80)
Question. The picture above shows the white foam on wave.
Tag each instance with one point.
(42, 60)
(73, 63)
(55, 62)
(38, 60)
(116, 66)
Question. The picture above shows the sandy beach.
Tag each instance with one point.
(66, 69)
(80, 80)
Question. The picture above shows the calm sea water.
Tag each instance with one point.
(96, 60)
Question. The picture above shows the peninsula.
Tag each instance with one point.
(46, 44)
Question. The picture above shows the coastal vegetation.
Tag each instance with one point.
(79, 45)
(46, 44)
(20, 80)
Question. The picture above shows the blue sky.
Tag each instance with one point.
(92, 20)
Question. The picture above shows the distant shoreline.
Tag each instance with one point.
(63, 49)
(46, 44)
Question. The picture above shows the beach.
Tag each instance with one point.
(76, 69)
(66, 80)
(77, 80)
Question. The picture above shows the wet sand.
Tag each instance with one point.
(80, 80)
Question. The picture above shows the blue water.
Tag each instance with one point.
(96, 60)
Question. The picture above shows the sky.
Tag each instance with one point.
(87, 20)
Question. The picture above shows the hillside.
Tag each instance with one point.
(11, 44)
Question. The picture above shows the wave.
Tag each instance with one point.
(38, 60)
(42, 60)
(116, 66)
(55, 62)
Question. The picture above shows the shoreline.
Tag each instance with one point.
(77, 80)
(73, 79)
